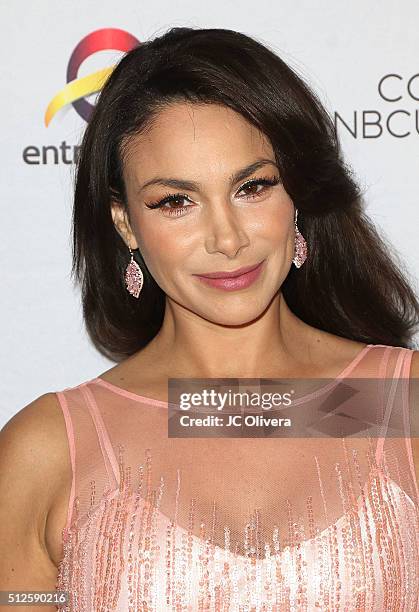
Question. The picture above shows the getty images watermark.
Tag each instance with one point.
(357, 407)
(226, 408)
(223, 405)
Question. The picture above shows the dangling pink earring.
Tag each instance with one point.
(300, 246)
(133, 277)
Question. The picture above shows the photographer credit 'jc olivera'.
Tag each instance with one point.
(218, 234)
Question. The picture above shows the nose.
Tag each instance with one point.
(224, 232)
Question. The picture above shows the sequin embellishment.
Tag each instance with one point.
(124, 554)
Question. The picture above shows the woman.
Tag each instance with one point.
(206, 153)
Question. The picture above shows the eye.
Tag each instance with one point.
(179, 210)
(177, 198)
(265, 182)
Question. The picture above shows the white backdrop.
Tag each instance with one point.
(344, 50)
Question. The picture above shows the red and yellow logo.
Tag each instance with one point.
(77, 89)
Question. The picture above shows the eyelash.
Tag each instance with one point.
(176, 197)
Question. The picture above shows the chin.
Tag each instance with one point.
(234, 315)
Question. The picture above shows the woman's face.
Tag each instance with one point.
(217, 223)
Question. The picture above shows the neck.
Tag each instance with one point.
(191, 346)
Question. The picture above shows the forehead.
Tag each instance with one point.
(194, 140)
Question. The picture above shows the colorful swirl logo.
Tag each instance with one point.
(77, 89)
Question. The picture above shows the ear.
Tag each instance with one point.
(122, 224)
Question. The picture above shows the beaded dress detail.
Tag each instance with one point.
(159, 524)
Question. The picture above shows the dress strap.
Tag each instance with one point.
(408, 408)
(103, 436)
(401, 367)
(398, 413)
(62, 402)
(95, 471)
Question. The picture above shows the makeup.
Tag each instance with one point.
(233, 283)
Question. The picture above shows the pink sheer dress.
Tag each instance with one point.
(241, 524)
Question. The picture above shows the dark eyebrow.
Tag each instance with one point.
(194, 186)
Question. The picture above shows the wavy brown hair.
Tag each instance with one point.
(353, 283)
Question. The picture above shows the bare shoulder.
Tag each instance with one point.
(35, 437)
(34, 468)
(414, 370)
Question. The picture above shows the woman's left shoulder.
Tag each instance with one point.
(414, 368)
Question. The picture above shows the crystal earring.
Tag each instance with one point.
(300, 246)
(133, 277)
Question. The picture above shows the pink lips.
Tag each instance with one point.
(231, 281)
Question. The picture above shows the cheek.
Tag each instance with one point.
(275, 223)
(161, 249)
(279, 229)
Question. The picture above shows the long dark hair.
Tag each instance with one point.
(352, 284)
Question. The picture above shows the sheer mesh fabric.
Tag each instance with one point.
(242, 524)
